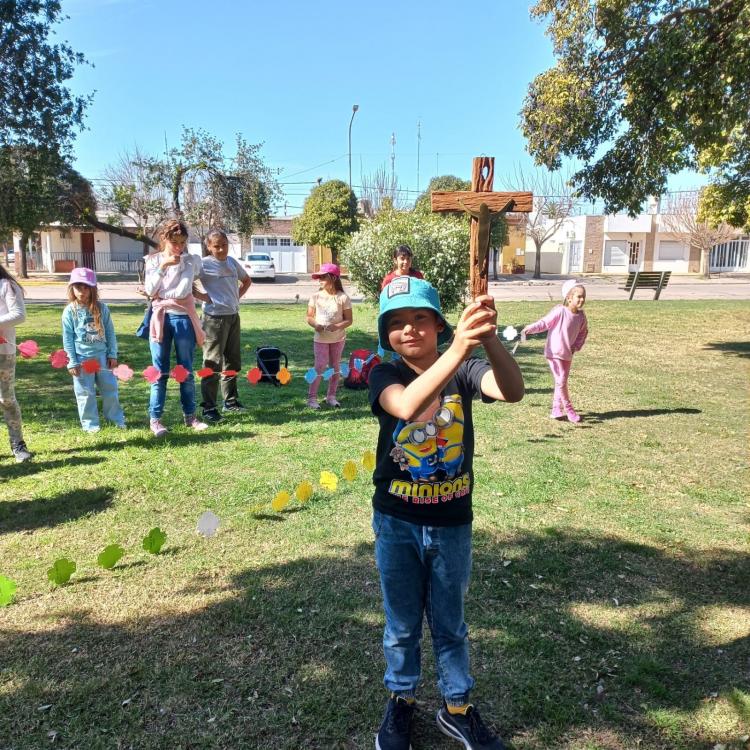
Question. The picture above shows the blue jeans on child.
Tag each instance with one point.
(84, 387)
(424, 572)
(177, 329)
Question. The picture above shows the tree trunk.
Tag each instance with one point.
(119, 231)
(335, 255)
(706, 263)
(23, 270)
(538, 260)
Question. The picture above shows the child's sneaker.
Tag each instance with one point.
(212, 416)
(234, 407)
(313, 403)
(333, 402)
(92, 430)
(21, 452)
(469, 729)
(395, 731)
(557, 413)
(573, 416)
(192, 421)
(158, 428)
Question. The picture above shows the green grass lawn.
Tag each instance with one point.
(610, 600)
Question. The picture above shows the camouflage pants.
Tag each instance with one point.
(8, 402)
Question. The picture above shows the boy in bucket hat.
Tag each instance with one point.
(422, 502)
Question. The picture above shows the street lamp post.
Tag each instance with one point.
(355, 107)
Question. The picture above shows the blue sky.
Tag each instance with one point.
(286, 74)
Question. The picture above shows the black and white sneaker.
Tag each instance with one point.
(395, 731)
(234, 407)
(469, 729)
(21, 452)
(212, 416)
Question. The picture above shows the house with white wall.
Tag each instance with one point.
(619, 244)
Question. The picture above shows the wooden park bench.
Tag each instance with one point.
(656, 280)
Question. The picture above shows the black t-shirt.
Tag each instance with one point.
(423, 471)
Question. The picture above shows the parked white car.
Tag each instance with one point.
(260, 266)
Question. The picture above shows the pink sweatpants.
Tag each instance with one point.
(326, 355)
(560, 372)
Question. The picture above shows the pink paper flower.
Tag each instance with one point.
(179, 373)
(58, 359)
(122, 372)
(151, 374)
(91, 366)
(254, 375)
(28, 349)
(3, 340)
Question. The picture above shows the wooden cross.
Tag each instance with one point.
(482, 205)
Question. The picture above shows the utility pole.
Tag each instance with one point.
(393, 160)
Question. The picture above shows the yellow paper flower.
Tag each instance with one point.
(350, 471)
(329, 481)
(283, 376)
(280, 501)
(368, 460)
(304, 491)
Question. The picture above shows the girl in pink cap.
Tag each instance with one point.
(567, 330)
(329, 312)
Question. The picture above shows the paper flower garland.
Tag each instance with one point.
(283, 376)
(58, 359)
(509, 333)
(7, 591)
(304, 491)
(123, 373)
(311, 375)
(327, 374)
(28, 349)
(280, 501)
(349, 472)
(329, 481)
(208, 524)
(151, 374)
(110, 556)
(229, 373)
(254, 376)
(204, 372)
(154, 540)
(180, 373)
(61, 571)
(368, 460)
(91, 366)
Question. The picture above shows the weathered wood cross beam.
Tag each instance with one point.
(482, 205)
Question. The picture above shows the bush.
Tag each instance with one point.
(440, 245)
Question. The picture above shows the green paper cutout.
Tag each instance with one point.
(61, 571)
(110, 556)
(154, 540)
(7, 591)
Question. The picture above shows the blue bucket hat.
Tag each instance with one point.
(408, 291)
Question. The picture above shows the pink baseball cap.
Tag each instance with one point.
(82, 276)
(327, 268)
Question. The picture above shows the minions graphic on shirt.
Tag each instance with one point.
(432, 453)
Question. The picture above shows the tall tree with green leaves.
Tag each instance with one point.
(38, 186)
(39, 116)
(328, 217)
(641, 90)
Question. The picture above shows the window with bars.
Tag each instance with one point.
(634, 252)
(272, 241)
(285, 242)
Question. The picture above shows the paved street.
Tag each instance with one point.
(299, 288)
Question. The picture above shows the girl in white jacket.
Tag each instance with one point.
(12, 313)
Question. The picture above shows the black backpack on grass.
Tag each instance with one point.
(269, 359)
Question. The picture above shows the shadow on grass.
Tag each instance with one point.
(603, 416)
(738, 348)
(35, 466)
(170, 440)
(41, 512)
(288, 655)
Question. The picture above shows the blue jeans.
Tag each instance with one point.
(424, 572)
(177, 329)
(85, 385)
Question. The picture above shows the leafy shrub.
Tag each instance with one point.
(440, 245)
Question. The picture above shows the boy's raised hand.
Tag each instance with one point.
(477, 324)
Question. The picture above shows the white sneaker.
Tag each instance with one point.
(158, 428)
(332, 402)
(313, 403)
(192, 421)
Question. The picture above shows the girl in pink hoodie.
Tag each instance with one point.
(567, 330)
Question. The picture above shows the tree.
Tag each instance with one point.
(36, 107)
(328, 217)
(682, 217)
(553, 204)
(37, 186)
(640, 91)
(440, 245)
(451, 183)
(196, 182)
(381, 190)
(133, 191)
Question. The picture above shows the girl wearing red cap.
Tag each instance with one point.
(329, 312)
